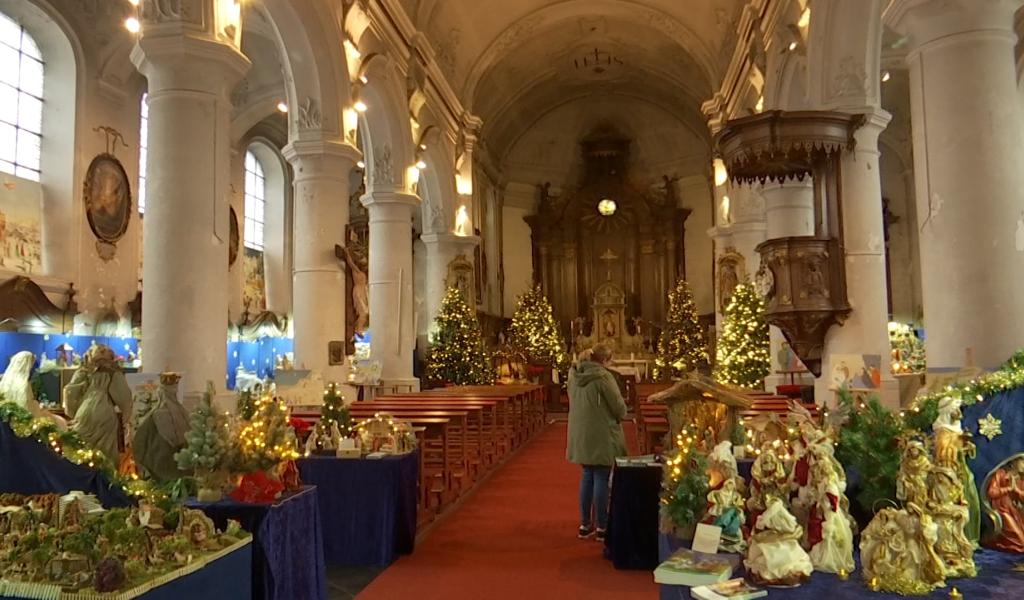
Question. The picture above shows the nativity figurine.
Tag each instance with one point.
(161, 432)
(831, 543)
(953, 446)
(948, 507)
(768, 480)
(725, 510)
(912, 479)
(1004, 490)
(897, 551)
(93, 397)
(775, 556)
(16, 387)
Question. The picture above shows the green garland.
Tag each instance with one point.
(1010, 376)
(73, 448)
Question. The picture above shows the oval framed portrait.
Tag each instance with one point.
(233, 237)
(108, 198)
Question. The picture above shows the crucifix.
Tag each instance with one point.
(608, 257)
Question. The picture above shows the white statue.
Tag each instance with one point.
(16, 387)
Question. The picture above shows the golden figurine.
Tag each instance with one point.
(953, 446)
(912, 480)
(947, 505)
(898, 552)
(954, 594)
(774, 556)
(768, 480)
(843, 575)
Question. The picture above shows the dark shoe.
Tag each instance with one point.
(585, 532)
(599, 535)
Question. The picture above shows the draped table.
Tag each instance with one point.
(288, 556)
(368, 506)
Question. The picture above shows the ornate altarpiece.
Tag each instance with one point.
(607, 272)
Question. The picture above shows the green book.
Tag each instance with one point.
(686, 567)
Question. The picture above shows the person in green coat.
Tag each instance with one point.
(596, 410)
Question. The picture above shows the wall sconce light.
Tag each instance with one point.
(132, 25)
(463, 185)
(886, 76)
(361, 164)
(462, 226)
(759, 107)
(350, 121)
(282, 107)
(360, 106)
(805, 18)
(350, 49)
(420, 164)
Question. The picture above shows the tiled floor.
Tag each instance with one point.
(343, 583)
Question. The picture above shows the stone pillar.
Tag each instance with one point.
(392, 335)
(866, 331)
(442, 249)
(968, 158)
(185, 306)
(789, 212)
(321, 180)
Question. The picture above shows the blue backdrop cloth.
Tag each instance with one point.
(1009, 408)
(288, 557)
(996, 580)
(368, 507)
(226, 578)
(30, 467)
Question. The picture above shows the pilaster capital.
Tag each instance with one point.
(321, 157)
(875, 122)
(928, 22)
(377, 199)
(193, 63)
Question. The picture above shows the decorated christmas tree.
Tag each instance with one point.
(743, 350)
(334, 412)
(208, 440)
(684, 483)
(457, 352)
(681, 347)
(534, 332)
(267, 439)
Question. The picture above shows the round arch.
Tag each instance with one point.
(384, 127)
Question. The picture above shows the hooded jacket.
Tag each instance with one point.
(596, 409)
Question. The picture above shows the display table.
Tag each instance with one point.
(29, 467)
(632, 536)
(224, 576)
(367, 506)
(288, 558)
(996, 580)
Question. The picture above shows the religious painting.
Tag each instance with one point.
(1003, 502)
(254, 294)
(108, 198)
(233, 237)
(856, 371)
(336, 353)
(21, 240)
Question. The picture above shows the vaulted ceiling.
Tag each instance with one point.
(514, 61)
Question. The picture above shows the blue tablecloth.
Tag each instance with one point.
(288, 558)
(367, 507)
(29, 467)
(226, 578)
(996, 580)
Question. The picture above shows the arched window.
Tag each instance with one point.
(255, 202)
(143, 147)
(21, 101)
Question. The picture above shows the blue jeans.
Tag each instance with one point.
(594, 495)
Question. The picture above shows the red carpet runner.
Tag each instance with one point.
(515, 538)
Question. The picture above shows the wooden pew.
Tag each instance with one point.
(486, 429)
(651, 425)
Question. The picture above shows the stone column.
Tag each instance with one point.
(185, 304)
(866, 331)
(321, 180)
(789, 212)
(392, 335)
(442, 249)
(968, 159)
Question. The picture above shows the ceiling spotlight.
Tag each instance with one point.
(359, 106)
(133, 2)
(421, 165)
(805, 18)
(132, 24)
(792, 46)
(364, 79)
(282, 107)
(886, 76)
(361, 164)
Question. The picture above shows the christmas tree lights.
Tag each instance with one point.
(534, 332)
(743, 350)
(334, 412)
(907, 349)
(681, 348)
(685, 481)
(267, 439)
(457, 352)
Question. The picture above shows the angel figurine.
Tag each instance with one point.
(953, 446)
(832, 551)
(774, 556)
(96, 392)
(948, 507)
